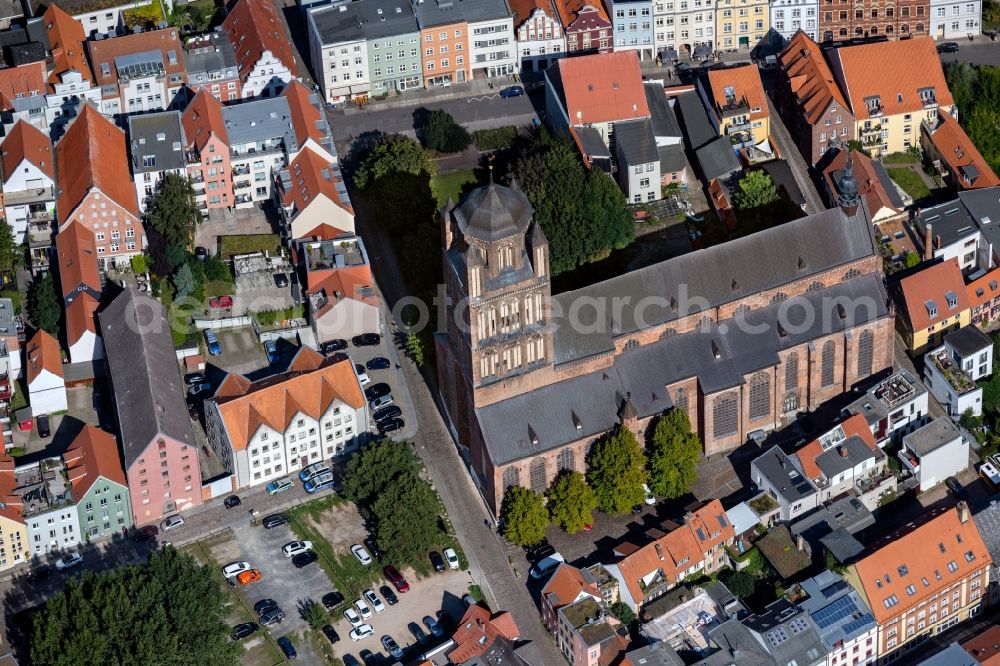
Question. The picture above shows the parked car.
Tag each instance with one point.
(540, 551)
(363, 610)
(377, 391)
(648, 497)
(69, 561)
(417, 632)
(212, 342)
(235, 568)
(330, 633)
(232, 501)
(374, 601)
(198, 389)
(313, 470)
(248, 577)
(436, 560)
(392, 647)
(193, 410)
(512, 91)
(389, 596)
(373, 548)
(293, 548)
(279, 486)
(171, 522)
(274, 520)
(546, 566)
(955, 487)
(390, 412)
(319, 483)
(364, 379)
(378, 363)
(362, 554)
(396, 579)
(43, 425)
(451, 557)
(193, 378)
(280, 280)
(241, 631)
(219, 302)
(381, 402)
(273, 616)
(145, 532)
(433, 626)
(264, 606)
(352, 616)
(362, 631)
(366, 340)
(948, 47)
(303, 560)
(332, 599)
(285, 643)
(331, 346)
(389, 425)
(271, 350)
(39, 573)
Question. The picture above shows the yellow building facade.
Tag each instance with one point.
(741, 24)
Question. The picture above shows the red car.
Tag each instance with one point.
(221, 302)
(396, 579)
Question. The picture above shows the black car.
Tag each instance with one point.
(955, 487)
(43, 426)
(273, 616)
(359, 369)
(194, 378)
(390, 412)
(436, 560)
(369, 658)
(331, 346)
(390, 425)
(274, 520)
(264, 606)
(947, 47)
(39, 574)
(377, 391)
(512, 91)
(241, 631)
(389, 596)
(366, 340)
(232, 501)
(280, 280)
(373, 549)
(330, 633)
(350, 660)
(193, 411)
(540, 552)
(285, 643)
(378, 363)
(332, 599)
(143, 533)
(303, 560)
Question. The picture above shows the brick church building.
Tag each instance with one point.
(743, 336)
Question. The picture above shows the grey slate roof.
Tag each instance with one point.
(842, 545)
(337, 24)
(717, 158)
(663, 118)
(839, 613)
(953, 655)
(781, 174)
(149, 396)
(672, 158)
(950, 220)
(784, 477)
(635, 142)
(156, 135)
(658, 654)
(736, 645)
(440, 12)
(844, 456)
(593, 144)
(493, 212)
(968, 340)
(259, 120)
(385, 18)
(695, 115)
(930, 437)
(787, 632)
(987, 521)
(211, 53)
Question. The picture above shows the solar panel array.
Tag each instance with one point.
(865, 619)
(835, 612)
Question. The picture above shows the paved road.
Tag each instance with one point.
(980, 52)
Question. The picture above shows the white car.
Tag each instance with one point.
(373, 599)
(293, 548)
(171, 522)
(68, 561)
(363, 631)
(451, 557)
(352, 617)
(362, 554)
(235, 569)
(364, 379)
(648, 499)
(363, 609)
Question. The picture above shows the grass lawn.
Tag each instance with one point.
(446, 185)
(911, 182)
(898, 158)
(249, 243)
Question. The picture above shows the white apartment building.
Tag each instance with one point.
(790, 16)
(681, 26)
(339, 52)
(540, 39)
(492, 46)
(28, 183)
(47, 505)
(63, 103)
(954, 19)
(260, 132)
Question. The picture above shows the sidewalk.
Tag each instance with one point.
(419, 97)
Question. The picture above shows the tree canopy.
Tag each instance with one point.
(375, 467)
(443, 134)
(582, 212)
(571, 501)
(976, 91)
(165, 612)
(392, 154)
(757, 190)
(523, 516)
(44, 306)
(11, 252)
(617, 471)
(673, 453)
(172, 212)
(406, 518)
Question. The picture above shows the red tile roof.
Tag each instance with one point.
(746, 84)
(601, 88)
(810, 77)
(76, 256)
(354, 282)
(66, 37)
(983, 289)
(523, 9)
(103, 53)
(957, 149)
(869, 184)
(10, 502)
(311, 178)
(254, 27)
(985, 646)
(92, 154)
(854, 426)
(26, 142)
(931, 284)
(43, 353)
(569, 11)
(22, 81)
(565, 585)
(202, 119)
(895, 72)
(305, 115)
(477, 631)
(93, 454)
(80, 316)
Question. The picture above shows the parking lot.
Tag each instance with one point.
(393, 376)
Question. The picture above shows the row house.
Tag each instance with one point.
(28, 176)
(846, 626)
(923, 580)
(394, 56)
(15, 546)
(790, 16)
(54, 111)
(684, 28)
(211, 65)
(695, 547)
(586, 25)
(140, 72)
(44, 374)
(576, 612)
(895, 406)
(207, 151)
(263, 50)
(540, 37)
(94, 187)
(340, 289)
(265, 430)
(157, 149)
(493, 50)
(99, 484)
(955, 156)
(157, 443)
(872, 18)
(44, 497)
(984, 298)
(444, 42)
(311, 193)
(70, 81)
(741, 24)
(81, 287)
(21, 91)
(633, 26)
(339, 53)
(738, 105)
(932, 302)
(951, 19)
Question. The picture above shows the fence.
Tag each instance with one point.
(224, 322)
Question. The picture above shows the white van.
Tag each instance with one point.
(546, 565)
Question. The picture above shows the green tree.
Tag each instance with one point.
(571, 501)
(443, 134)
(970, 421)
(174, 256)
(44, 307)
(621, 611)
(523, 516)
(739, 583)
(673, 454)
(173, 213)
(216, 270)
(961, 79)
(392, 154)
(11, 252)
(617, 470)
(912, 259)
(375, 467)
(167, 611)
(757, 190)
(184, 283)
(314, 614)
(415, 347)
(406, 518)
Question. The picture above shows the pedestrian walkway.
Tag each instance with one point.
(474, 88)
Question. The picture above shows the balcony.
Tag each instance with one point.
(34, 195)
(241, 170)
(733, 128)
(741, 140)
(242, 184)
(875, 110)
(196, 177)
(871, 129)
(39, 236)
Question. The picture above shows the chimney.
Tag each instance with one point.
(963, 512)
(800, 542)
(937, 242)
(928, 249)
(843, 451)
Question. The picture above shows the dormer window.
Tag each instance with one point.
(931, 309)
(952, 300)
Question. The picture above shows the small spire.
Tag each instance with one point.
(490, 159)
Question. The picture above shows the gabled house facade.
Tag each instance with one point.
(263, 51)
(28, 164)
(99, 485)
(46, 383)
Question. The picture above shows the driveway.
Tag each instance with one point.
(241, 352)
(393, 376)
